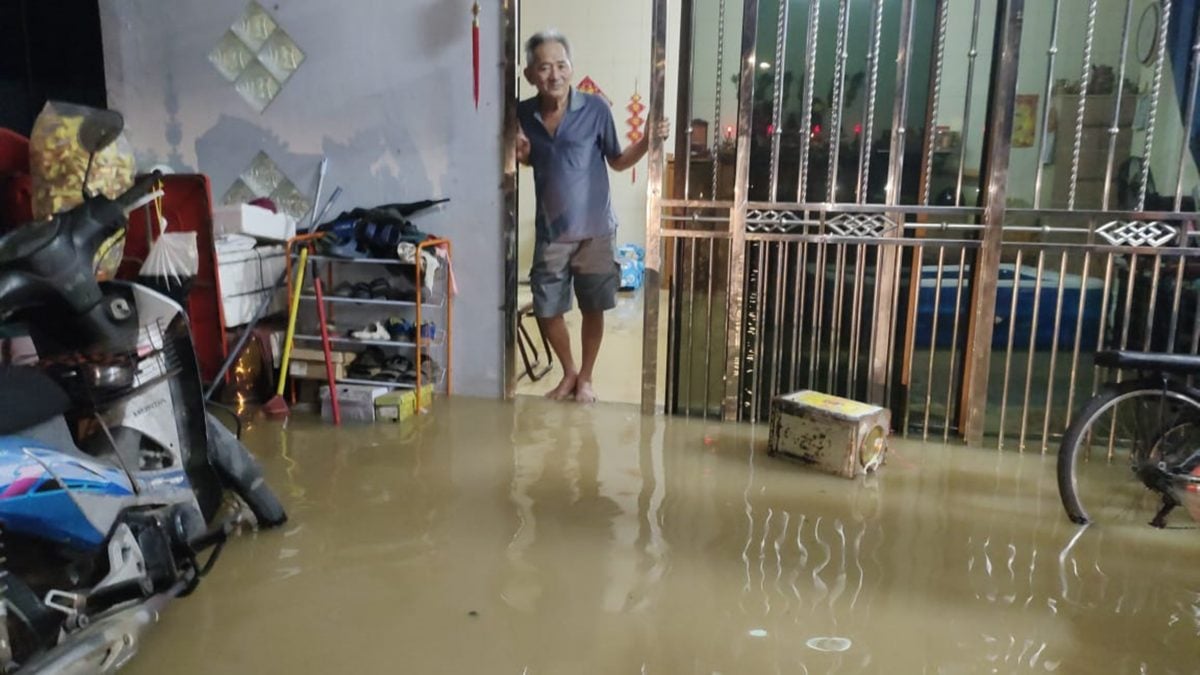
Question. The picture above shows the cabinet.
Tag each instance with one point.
(1093, 148)
(362, 296)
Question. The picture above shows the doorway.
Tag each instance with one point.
(610, 48)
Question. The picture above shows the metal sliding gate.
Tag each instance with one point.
(946, 207)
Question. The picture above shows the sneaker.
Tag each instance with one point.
(401, 330)
(372, 331)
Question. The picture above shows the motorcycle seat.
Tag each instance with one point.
(28, 397)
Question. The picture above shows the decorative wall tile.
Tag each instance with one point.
(257, 86)
(231, 56)
(281, 55)
(264, 178)
(257, 56)
(255, 26)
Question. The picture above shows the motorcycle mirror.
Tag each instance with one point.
(99, 129)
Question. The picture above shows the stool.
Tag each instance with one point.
(527, 346)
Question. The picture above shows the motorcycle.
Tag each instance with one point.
(114, 477)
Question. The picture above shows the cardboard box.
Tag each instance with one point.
(306, 369)
(832, 434)
(254, 221)
(399, 406)
(300, 354)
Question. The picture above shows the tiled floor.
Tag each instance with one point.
(618, 374)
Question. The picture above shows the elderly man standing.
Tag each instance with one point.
(570, 140)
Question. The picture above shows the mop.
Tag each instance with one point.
(277, 406)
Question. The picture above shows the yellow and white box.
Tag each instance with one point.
(832, 434)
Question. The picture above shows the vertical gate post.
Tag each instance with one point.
(509, 189)
(651, 283)
(1002, 93)
(737, 220)
(884, 329)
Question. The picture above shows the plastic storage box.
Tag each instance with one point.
(357, 402)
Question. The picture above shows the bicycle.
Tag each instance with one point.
(1135, 445)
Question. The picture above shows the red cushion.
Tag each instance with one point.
(16, 200)
(14, 152)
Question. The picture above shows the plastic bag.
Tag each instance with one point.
(173, 260)
(57, 162)
(631, 259)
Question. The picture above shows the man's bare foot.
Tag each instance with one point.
(565, 388)
(584, 392)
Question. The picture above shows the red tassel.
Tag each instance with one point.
(475, 50)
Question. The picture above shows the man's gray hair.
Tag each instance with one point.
(542, 37)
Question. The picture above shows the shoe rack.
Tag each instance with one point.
(346, 280)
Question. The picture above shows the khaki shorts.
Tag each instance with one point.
(589, 265)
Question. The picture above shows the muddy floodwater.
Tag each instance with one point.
(541, 538)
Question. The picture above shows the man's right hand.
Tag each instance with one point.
(522, 147)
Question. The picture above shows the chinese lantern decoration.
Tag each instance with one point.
(635, 122)
(588, 86)
(475, 50)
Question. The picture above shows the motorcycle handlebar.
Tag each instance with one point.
(140, 190)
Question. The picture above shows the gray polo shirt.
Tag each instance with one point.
(570, 173)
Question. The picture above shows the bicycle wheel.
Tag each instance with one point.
(1120, 459)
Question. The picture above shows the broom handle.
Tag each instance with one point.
(291, 329)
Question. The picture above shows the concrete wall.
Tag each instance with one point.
(384, 93)
(610, 43)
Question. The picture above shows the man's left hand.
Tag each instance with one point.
(663, 129)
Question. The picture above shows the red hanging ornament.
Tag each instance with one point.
(635, 122)
(588, 86)
(475, 50)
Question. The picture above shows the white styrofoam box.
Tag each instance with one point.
(253, 220)
(240, 309)
(242, 272)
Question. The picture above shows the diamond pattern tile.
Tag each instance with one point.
(257, 56)
(290, 200)
(264, 178)
(231, 56)
(281, 55)
(255, 26)
(257, 86)
(239, 193)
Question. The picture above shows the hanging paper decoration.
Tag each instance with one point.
(635, 122)
(475, 50)
(589, 86)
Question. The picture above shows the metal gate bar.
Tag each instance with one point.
(891, 298)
